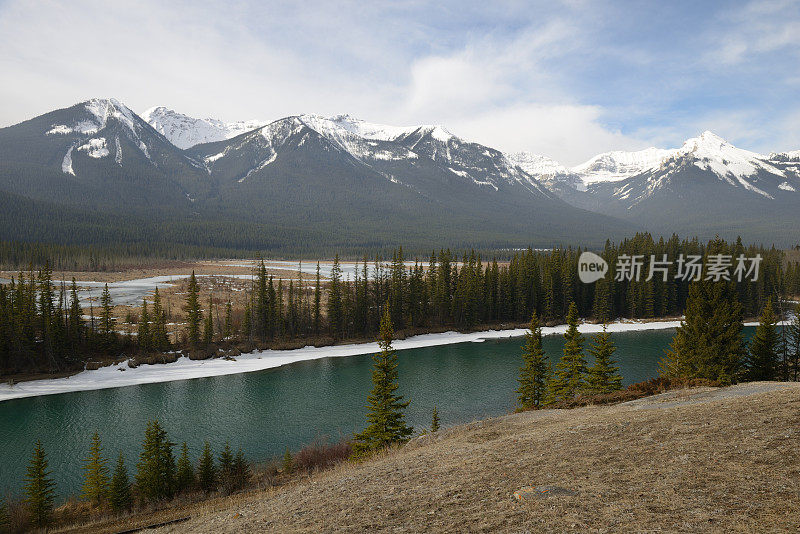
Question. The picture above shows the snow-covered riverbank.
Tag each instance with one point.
(121, 375)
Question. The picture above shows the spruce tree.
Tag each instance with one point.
(535, 371)
(335, 315)
(226, 467)
(761, 362)
(158, 330)
(119, 495)
(39, 488)
(241, 470)
(143, 335)
(206, 470)
(603, 376)
(435, 420)
(194, 314)
(185, 477)
(317, 307)
(569, 378)
(386, 422)
(155, 472)
(709, 343)
(95, 485)
(106, 319)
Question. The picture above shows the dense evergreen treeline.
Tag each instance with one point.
(464, 292)
(43, 328)
(42, 325)
(16, 255)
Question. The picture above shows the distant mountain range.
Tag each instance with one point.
(343, 182)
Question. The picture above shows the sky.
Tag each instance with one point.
(567, 79)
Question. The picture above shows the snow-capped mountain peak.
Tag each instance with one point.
(618, 165)
(711, 152)
(536, 164)
(184, 131)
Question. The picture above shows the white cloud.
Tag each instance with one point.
(513, 76)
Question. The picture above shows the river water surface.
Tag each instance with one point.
(267, 411)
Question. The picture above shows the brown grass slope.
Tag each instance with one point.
(703, 459)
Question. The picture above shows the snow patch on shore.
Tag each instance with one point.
(120, 375)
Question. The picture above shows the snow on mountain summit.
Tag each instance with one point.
(184, 131)
(618, 164)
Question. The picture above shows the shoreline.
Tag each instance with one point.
(120, 375)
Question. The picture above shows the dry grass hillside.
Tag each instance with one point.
(703, 459)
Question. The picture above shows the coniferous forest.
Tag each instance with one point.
(43, 327)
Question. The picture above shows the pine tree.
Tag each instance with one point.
(106, 319)
(317, 306)
(534, 374)
(241, 470)
(386, 423)
(95, 485)
(570, 371)
(226, 468)
(185, 477)
(120, 492)
(761, 362)
(39, 488)
(75, 321)
(603, 376)
(155, 472)
(206, 470)
(288, 462)
(435, 420)
(208, 328)
(143, 335)
(158, 330)
(194, 314)
(709, 342)
(335, 316)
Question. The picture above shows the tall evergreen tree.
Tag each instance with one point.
(206, 470)
(143, 335)
(194, 315)
(317, 306)
(569, 378)
(95, 485)
(603, 376)
(241, 470)
(155, 472)
(158, 329)
(107, 319)
(39, 488)
(225, 471)
(185, 477)
(228, 330)
(386, 422)
(335, 315)
(535, 371)
(119, 496)
(761, 362)
(709, 342)
(435, 420)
